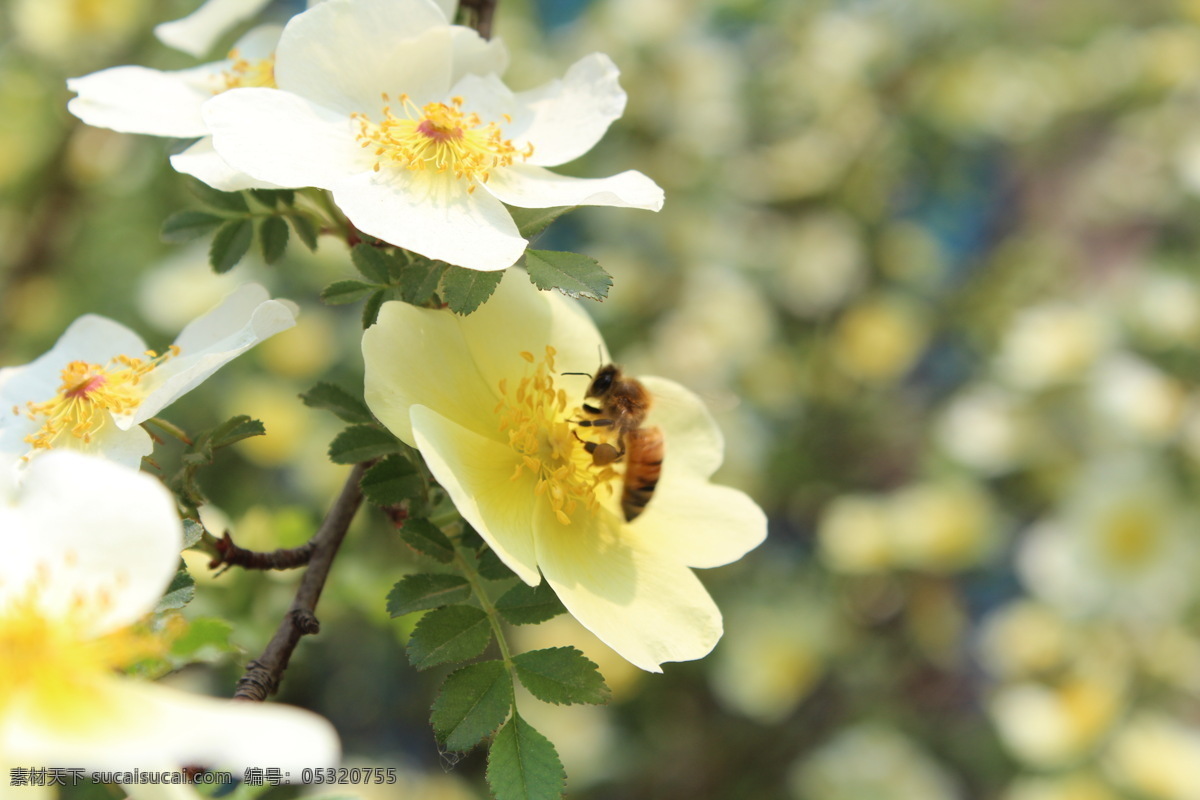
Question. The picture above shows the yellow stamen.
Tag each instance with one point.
(243, 73)
(440, 137)
(86, 393)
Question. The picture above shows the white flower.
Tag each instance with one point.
(403, 118)
(196, 33)
(487, 401)
(89, 547)
(98, 383)
(134, 99)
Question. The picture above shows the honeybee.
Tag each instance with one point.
(621, 404)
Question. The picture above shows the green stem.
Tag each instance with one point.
(486, 604)
(171, 428)
(324, 202)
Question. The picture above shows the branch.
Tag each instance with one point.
(264, 674)
(230, 555)
(482, 12)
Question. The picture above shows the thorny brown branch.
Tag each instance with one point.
(264, 674)
(230, 555)
(481, 12)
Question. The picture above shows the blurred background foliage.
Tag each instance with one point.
(932, 263)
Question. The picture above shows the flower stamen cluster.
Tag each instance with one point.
(535, 417)
(440, 137)
(87, 391)
(246, 73)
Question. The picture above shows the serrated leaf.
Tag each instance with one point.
(473, 702)
(561, 675)
(421, 591)
(465, 290)
(226, 201)
(179, 593)
(183, 226)
(393, 480)
(193, 532)
(340, 293)
(528, 605)
(230, 244)
(523, 764)
(491, 567)
(425, 537)
(420, 279)
(573, 274)
(234, 430)
(336, 399)
(532, 221)
(370, 311)
(362, 443)
(204, 638)
(273, 236)
(307, 229)
(273, 197)
(372, 262)
(452, 633)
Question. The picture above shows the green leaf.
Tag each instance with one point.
(573, 274)
(465, 290)
(372, 262)
(420, 279)
(491, 567)
(523, 764)
(205, 638)
(273, 236)
(230, 244)
(561, 675)
(421, 591)
(307, 229)
(527, 605)
(532, 221)
(179, 593)
(273, 197)
(234, 430)
(393, 480)
(225, 201)
(370, 311)
(183, 226)
(425, 537)
(336, 399)
(362, 443)
(473, 702)
(452, 633)
(193, 532)
(339, 293)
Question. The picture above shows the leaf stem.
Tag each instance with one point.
(170, 428)
(485, 602)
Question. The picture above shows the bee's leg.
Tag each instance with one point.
(602, 453)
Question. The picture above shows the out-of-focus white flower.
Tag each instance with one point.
(98, 383)
(196, 33)
(823, 263)
(1157, 757)
(70, 595)
(1136, 399)
(136, 99)
(403, 118)
(879, 338)
(1122, 545)
(486, 400)
(1073, 786)
(986, 428)
(1163, 308)
(1022, 639)
(873, 761)
(1052, 344)
(854, 535)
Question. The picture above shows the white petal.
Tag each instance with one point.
(449, 8)
(196, 33)
(696, 443)
(242, 320)
(342, 54)
(700, 523)
(534, 187)
(433, 215)
(279, 137)
(475, 55)
(476, 472)
(647, 608)
(86, 526)
(142, 100)
(155, 727)
(418, 356)
(258, 43)
(564, 119)
(201, 161)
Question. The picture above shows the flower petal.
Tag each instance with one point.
(141, 100)
(148, 726)
(432, 214)
(696, 443)
(700, 523)
(646, 607)
(85, 527)
(279, 137)
(196, 33)
(242, 320)
(474, 55)
(528, 186)
(343, 54)
(477, 474)
(202, 162)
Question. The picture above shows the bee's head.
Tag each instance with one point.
(604, 380)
